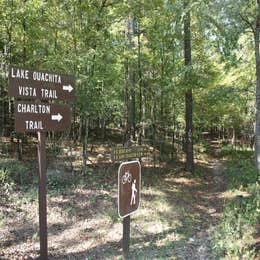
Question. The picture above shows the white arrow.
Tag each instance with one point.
(56, 117)
(67, 88)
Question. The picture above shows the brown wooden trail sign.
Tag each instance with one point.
(129, 188)
(41, 117)
(38, 84)
(122, 153)
(32, 117)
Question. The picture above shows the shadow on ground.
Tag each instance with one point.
(176, 214)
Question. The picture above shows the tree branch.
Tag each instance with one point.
(247, 22)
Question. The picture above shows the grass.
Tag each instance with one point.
(112, 215)
(236, 236)
(13, 171)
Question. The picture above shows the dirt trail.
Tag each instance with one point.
(208, 206)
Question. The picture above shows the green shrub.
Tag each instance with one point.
(238, 152)
(241, 172)
(14, 171)
(55, 182)
(3, 176)
(59, 180)
(234, 237)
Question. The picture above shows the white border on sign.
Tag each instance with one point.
(118, 183)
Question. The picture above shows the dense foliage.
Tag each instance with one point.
(88, 39)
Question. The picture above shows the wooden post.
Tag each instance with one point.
(126, 236)
(42, 196)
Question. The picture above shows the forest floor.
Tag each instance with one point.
(176, 219)
(207, 204)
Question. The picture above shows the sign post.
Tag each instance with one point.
(42, 195)
(124, 190)
(129, 195)
(126, 236)
(41, 117)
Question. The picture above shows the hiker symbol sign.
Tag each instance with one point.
(129, 188)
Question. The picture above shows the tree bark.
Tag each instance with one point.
(140, 81)
(126, 108)
(85, 146)
(188, 94)
(130, 30)
(19, 136)
(233, 140)
(257, 58)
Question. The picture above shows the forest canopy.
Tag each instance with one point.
(122, 50)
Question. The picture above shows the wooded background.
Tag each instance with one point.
(155, 69)
(179, 77)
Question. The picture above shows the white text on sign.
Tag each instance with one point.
(36, 75)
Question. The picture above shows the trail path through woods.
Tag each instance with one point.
(207, 204)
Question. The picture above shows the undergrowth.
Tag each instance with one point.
(235, 238)
(13, 172)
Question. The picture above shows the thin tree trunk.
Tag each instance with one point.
(130, 30)
(80, 131)
(188, 94)
(140, 80)
(19, 136)
(126, 116)
(233, 140)
(162, 108)
(102, 123)
(85, 146)
(9, 118)
(153, 113)
(71, 157)
(173, 150)
(257, 58)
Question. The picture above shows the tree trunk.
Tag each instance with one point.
(140, 80)
(233, 140)
(188, 94)
(173, 150)
(85, 146)
(257, 58)
(102, 125)
(130, 30)
(126, 115)
(162, 106)
(19, 136)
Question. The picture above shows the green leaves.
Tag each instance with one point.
(88, 39)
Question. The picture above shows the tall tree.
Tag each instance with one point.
(130, 34)
(257, 59)
(188, 94)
